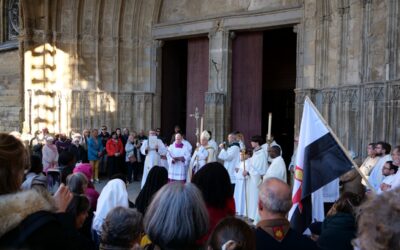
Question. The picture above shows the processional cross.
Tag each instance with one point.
(197, 116)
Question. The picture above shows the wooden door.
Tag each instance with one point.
(246, 96)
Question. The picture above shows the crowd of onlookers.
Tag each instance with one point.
(198, 214)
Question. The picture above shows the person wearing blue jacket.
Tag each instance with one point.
(95, 152)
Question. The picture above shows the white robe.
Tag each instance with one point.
(265, 146)
(187, 145)
(239, 194)
(152, 158)
(388, 180)
(231, 158)
(256, 167)
(201, 156)
(213, 144)
(277, 169)
(396, 181)
(178, 170)
(163, 157)
(375, 178)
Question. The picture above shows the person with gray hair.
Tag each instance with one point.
(176, 218)
(273, 231)
(121, 229)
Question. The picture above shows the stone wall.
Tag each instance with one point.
(10, 92)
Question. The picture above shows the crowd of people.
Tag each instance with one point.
(208, 196)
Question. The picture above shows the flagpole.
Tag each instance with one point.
(340, 144)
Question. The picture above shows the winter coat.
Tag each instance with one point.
(337, 231)
(28, 221)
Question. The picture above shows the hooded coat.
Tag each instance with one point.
(28, 221)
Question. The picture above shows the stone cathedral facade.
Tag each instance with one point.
(74, 64)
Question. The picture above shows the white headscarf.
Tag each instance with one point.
(114, 194)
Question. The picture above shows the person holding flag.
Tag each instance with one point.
(320, 159)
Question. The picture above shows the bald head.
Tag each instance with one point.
(275, 196)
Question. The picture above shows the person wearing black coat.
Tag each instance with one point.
(339, 227)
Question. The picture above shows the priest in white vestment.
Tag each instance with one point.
(203, 154)
(277, 168)
(230, 156)
(151, 148)
(178, 160)
(256, 168)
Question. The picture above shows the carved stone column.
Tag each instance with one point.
(217, 108)
(349, 118)
(299, 103)
(215, 115)
(393, 111)
(374, 113)
(219, 65)
(143, 110)
(155, 79)
(329, 107)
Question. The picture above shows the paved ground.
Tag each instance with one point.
(133, 188)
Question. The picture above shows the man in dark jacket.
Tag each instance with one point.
(273, 231)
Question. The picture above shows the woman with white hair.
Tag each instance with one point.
(114, 194)
(176, 218)
(49, 154)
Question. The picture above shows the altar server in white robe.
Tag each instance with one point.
(241, 177)
(277, 168)
(256, 168)
(151, 148)
(230, 156)
(178, 160)
(203, 154)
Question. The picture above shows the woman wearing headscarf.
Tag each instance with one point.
(158, 177)
(49, 154)
(114, 194)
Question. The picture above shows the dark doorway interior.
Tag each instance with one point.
(174, 82)
(279, 81)
(184, 83)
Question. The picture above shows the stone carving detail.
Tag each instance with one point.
(301, 95)
(395, 92)
(373, 94)
(12, 19)
(329, 97)
(215, 98)
(350, 95)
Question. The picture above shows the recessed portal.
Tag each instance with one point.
(263, 81)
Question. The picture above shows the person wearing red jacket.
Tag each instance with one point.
(115, 150)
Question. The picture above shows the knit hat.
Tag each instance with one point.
(84, 168)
